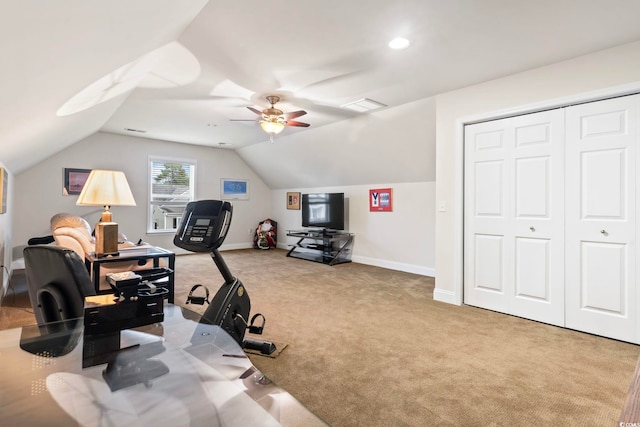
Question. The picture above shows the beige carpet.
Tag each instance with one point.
(369, 347)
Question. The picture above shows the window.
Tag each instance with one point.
(171, 187)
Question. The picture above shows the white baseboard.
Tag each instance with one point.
(445, 296)
(393, 265)
(234, 246)
(17, 264)
(231, 247)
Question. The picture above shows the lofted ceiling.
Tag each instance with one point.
(186, 71)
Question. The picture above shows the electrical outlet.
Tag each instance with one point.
(250, 230)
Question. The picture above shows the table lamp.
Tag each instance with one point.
(106, 188)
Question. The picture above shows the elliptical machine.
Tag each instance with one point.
(204, 226)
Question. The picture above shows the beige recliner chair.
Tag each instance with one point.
(74, 232)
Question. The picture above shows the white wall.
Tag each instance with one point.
(400, 240)
(391, 145)
(6, 238)
(581, 78)
(391, 148)
(39, 189)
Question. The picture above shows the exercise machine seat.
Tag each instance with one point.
(57, 282)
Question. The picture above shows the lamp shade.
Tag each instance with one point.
(106, 188)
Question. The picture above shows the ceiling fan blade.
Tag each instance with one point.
(299, 124)
(295, 114)
(255, 111)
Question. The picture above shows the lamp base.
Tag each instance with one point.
(106, 215)
(106, 239)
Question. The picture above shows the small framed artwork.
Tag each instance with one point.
(3, 189)
(234, 189)
(381, 200)
(293, 201)
(74, 180)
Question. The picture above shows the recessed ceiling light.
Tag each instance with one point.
(399, 43)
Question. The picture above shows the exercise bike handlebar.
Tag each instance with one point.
(204, 226)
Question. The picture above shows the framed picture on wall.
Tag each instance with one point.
(381, 200)
(234, 189)
(74, 180)
(3, 190)
(293, 201)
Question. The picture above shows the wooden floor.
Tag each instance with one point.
(631, 410)
(15, 309)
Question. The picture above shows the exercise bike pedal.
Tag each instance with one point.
(253, 329)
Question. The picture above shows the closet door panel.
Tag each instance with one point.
(532, 187)
(604, 176)
(539, 216)
(603, 280)
(533, 269)
(601, 292)
(489, 174)
(513, 195)
(489, 265)
(488, 236)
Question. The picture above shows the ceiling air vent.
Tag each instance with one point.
(363, 105)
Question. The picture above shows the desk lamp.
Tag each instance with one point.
(106, 188)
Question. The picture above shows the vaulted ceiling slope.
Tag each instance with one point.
(52, 50)
(186, 71)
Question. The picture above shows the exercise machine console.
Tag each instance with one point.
(204, 226)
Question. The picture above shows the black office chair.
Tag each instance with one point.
(57, 281)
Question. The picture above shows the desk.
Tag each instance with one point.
(210, 381)
(141, 254)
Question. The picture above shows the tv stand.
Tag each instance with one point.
(326, 246)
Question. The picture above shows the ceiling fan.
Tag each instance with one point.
(273, 120)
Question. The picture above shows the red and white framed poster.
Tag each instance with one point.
(381, 200)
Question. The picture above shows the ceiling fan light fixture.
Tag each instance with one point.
(273, 120)
(272, 127)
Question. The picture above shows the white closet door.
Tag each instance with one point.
(514, 216)
(488, 226)
(601, 251)
(539, 217)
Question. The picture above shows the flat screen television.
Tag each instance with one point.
(323, 210)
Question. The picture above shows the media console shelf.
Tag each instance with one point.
(327, 247)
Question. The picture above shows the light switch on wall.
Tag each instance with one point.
(442, 206)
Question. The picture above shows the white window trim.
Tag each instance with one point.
(193, 184)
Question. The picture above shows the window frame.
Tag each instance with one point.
(192, 164)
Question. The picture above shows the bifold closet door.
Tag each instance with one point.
(601, 224)
(513, 221)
